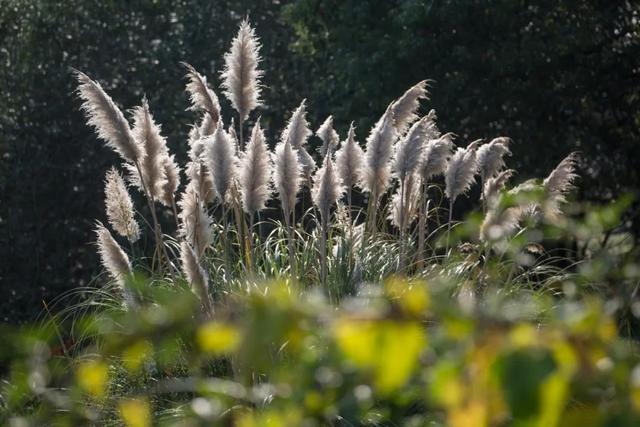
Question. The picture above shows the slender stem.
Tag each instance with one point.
(401, 261)
(260, 230)
(371, 212)
(323, 248)
(227, 246)
(449, 226)
(239, 221)
(175, 212)
(350, 219)
(292, 259)
(241, 141)
(484, 202)
(250, 251)
(422, 225)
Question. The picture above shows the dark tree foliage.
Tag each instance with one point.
(555, 76)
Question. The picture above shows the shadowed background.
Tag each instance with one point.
(556, 77)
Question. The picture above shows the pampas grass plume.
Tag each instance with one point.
(493, 185)
(402, 213)
(154, 146)
(490, 157)
(375, 172)
(194, 222)
(327, 187)
(171, 180)
(241, 77)
(196, 276)
(328, 136)
(297, 130)
(410, 148)
(254, 173)
(222, 163)
(405, 107)
(436, 156)
(349, 159)
(287, 177)
(202, 97)
(107, 119)
(461, 171)
(115, 261)
(119, 206)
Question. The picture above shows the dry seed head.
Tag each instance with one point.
(241, 76)
(409, 150)
(254, 174)
(376, 170)
(493, 185)
(349, 159)
(154, 147)
(107, 119)
(119, 206)
(408, 209)
(405, 107)
(171, 180)
(112, 256)
(436, 156)
(195, 223)
(491, 157)
(461, 171)
(196, 275)
(287, 176)
(222, 162)
(327, 188)
(297, 130)
(202, 97)
(328, 136)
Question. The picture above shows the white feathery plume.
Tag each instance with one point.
(297, 130)
(405, 107)
(171, 181)
(154, 146)
(326, 191)
(307, 164)
(222, 163)
(327, 187)
(560, 180)
(287, 176)
(375, 172)
(202, 97)
(231, 130)
(410, 149)
(200, 179)
(491, 157)
(115, 261)
(119, 206)
(558, 184)
(207, 126)
(196, 276)
(107, 119)
(328, 136)
(349, 159)
(436, 156)
(241, 77)
(499, 223)
(409, 205)
(431, 127)
(195, 223)
(493, 185)
(461, 171)
(254, 173)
